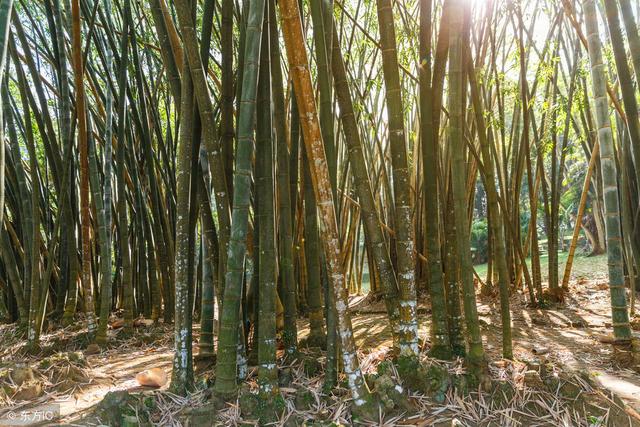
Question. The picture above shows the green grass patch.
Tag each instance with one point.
(583, 266)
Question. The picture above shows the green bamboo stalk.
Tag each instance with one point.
(531, 177)
(440, 342)
(182, 374)
(84, 166)
(227, 95)
(69, 286)
(285, 226)
(580, 213)
(626, 82)
(210, 282)
(317, 336)
(24, 209)
(619, 313)
(267, 369)
(456, 97)
(452, 280)
(8, 258)
(406, 259)
(6, 7)
(370, 215)
(631, 27)
(171, 68)
(323, 47)
(121, 205)
(105, 251)
(205, 108)
(227, 343)
(5, 21)
(495, 217)
(34, 284)
(103, 208)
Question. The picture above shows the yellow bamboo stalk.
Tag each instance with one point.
(581, 207)
(84, 167)
(319, 171)
(174, 39)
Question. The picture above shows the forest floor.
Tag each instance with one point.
(75, 377)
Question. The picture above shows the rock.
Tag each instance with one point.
(92, 349)
(154, 377)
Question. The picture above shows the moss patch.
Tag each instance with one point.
(264, 409)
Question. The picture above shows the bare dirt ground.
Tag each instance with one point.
(569, 336)
(76, 379)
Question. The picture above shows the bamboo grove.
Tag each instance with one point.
(233, 167)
